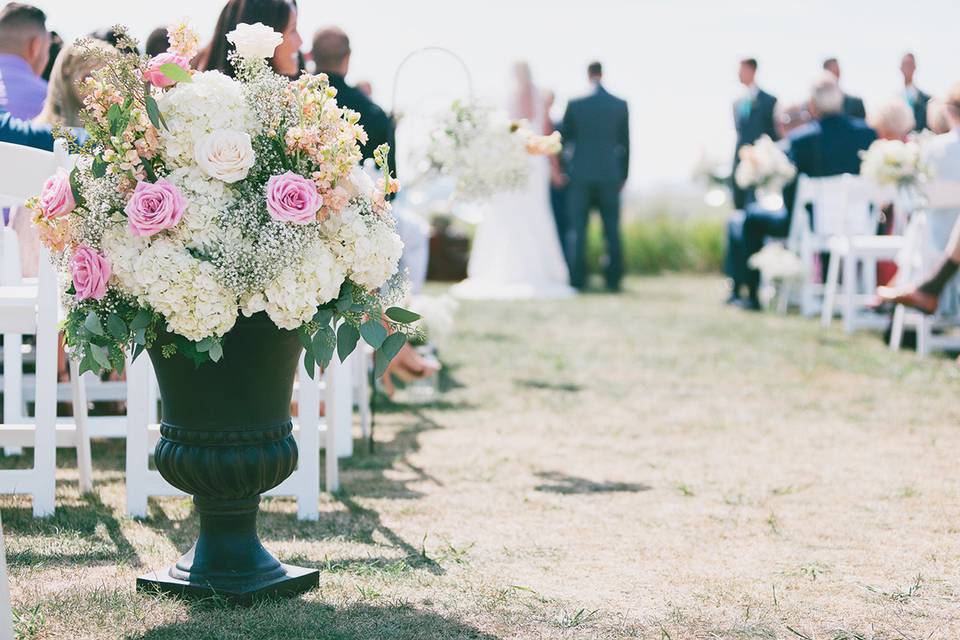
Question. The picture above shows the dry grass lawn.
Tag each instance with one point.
(649, 465)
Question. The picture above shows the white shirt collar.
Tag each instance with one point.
(752, 91)
(911, 91)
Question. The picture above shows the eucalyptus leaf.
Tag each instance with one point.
(324, 343)
(347, 338)
(87, 363)
(374, 333)
(323, 317)
(141, 320)
(392, 345)
(99, 168)
(399, 314)
(140, 337)
(203, 346)
(101, 355)
(380, 363)
(153, 112)
(310, 365)
(216, 351)
(175, 72)
(117, 327)
(92, 324)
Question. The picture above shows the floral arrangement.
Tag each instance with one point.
(763, 165)
(198, 197)
(894, 162)
(777, 263)
(484, 152)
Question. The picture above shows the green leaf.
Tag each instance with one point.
(117, 327)
(216, 351)
(92, 324)
(140, 337)
(87, 363)
(310, 365)
(175, 72)
(380, 363)
(323, 317)
(75, 186)
(141, 320)
(203, 346)
(101, 355)
(324, 343)
(374, 333)
(281, 150)
(392, 345)
(399, 314)
(305, 340)
(347, 338)
(114, 116)
(153, 112)
(148, 169)
(99, 168)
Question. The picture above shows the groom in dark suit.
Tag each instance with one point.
(596, 134)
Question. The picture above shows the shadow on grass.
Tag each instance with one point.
(570, 485)
(300, 620)
(91, 529)
(545, 385)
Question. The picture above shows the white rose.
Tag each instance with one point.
(225, 155)
(255, 40)
(359, 183)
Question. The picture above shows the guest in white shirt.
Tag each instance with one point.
(942, 155)
(916, 99)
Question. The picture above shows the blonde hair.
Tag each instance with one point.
(893, 118)
(74, 64)
(826, 95)
(937, 120)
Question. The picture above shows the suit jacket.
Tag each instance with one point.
(853, 107)
(828, 147)
(920, 110)
(760, 120)
(597, 130)
(375, 121)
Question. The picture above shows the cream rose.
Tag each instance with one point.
(225, 154)
(255, 40)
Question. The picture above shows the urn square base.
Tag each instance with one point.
(297, 580)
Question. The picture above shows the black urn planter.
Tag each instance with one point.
(226, 437)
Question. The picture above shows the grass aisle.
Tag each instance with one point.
(650, 465)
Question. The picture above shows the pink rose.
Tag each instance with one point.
(154, 207)
(154, 76)
(293, 198)
(91, 271)
(56, 198)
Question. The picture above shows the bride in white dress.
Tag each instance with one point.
(516, 253)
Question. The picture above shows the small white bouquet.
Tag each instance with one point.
(436, 321)
(484, 152)
(777, 263)
(764, 166)
(894, 162)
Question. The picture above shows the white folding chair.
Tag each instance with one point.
(942, 198)
(361, 362)
(34, 309)
(849, 215)
(6, 614)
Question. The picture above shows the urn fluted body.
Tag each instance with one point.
(226, 437)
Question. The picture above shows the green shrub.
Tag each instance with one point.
(663, 242)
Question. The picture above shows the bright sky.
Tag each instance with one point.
(675, 61)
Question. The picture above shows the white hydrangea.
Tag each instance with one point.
(292, 298)
(366, 244)
(122, 248)
(184, 289)
(192, 110)
(207, 199)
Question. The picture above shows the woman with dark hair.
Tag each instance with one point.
(280, 15)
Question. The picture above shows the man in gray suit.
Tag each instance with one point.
(596, 134)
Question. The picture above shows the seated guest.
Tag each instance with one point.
(937, 119)
(893, 120)
(24, 52)
(828, 146)
(852, 105)
(17, 131)
(157, 42)
(279, 15)
(331, 55)
(942, 154)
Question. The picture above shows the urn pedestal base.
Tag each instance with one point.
(294, 581)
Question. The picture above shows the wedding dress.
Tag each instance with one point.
(516, 252)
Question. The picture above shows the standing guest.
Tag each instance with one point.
(157, 42)
(829, 146)
(558, 178)
(916, 99)
(331, 55)
(56, 45)
(753, 117)
(852, 105)
(597, 129)
(24, 52)
(279, 15)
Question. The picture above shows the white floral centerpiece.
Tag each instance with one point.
(764, 166)
(199, 197)
(894, 163)
(483, 151)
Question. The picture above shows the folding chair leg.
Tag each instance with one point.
(849, 292)
(79, 396)
(13, 406)
(896, 327)
(138, 454)
(923, 336)
(308, 462)
(830, 294)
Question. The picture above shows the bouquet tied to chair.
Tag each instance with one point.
(199, 197)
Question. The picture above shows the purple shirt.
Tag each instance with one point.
(22, 92)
